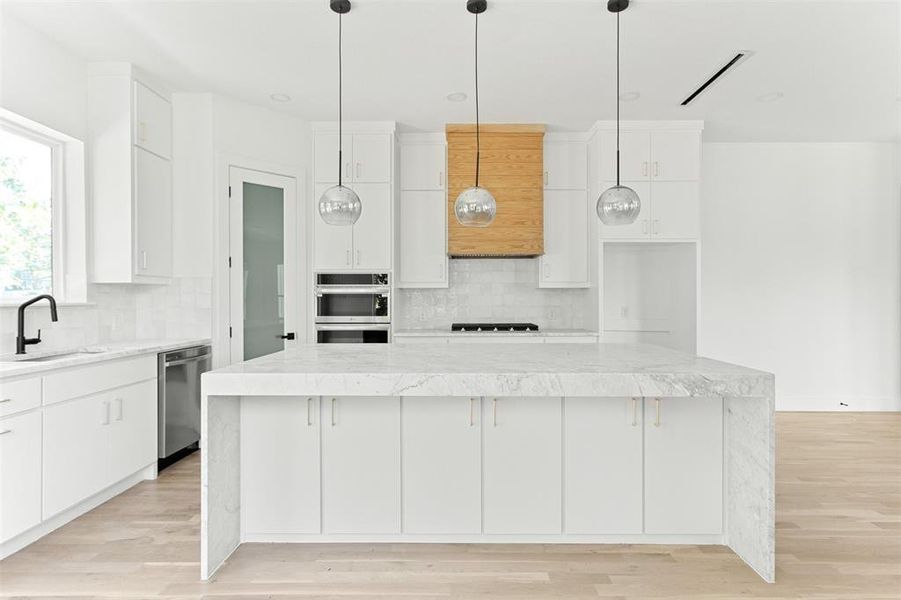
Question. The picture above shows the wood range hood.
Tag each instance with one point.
(512, 168)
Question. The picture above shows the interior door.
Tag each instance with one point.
(263, 251)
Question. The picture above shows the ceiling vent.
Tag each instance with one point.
(733, 62)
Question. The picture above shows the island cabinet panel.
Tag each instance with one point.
(683, 465)
(280, 491)
(361, 465)
(522, 465)
(602, 462)
(442, 465)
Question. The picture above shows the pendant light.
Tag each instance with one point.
(475, 206)
(340, 205)
(618, 205)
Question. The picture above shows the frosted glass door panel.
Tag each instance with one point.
(264, 269)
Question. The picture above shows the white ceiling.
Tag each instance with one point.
(552, 61)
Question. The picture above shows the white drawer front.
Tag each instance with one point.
(20, 474)
(19, 395)
(81, 381)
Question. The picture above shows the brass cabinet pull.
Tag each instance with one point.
(333, 411)
(309, 412)
(634, 412)
(657, 418)
(494, 406)
(472, 418)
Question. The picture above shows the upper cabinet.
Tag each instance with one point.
(422, 212)
(661, 161)
(130, 131)
(367, 167)
(564, 263)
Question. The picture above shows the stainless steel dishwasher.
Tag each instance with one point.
(179, 398)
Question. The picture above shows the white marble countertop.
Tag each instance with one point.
(493, 334)
(486, 369)
(10, 367)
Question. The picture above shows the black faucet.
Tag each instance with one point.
(21, 340)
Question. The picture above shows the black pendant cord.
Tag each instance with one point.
(340, 105)
(617, 99)
(478, 141)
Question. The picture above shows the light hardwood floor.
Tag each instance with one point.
(838, 536)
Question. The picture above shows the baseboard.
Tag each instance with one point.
(32, 535)
(409, 538)
(837, 404)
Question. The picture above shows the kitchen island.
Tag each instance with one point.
(485, 443)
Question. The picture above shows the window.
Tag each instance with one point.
(29, 236)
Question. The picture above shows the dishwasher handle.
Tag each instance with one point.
(184, 361)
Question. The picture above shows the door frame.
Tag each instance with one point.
(302, 248)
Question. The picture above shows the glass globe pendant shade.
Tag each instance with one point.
(340, 205)
(619, 205)
(475, 207)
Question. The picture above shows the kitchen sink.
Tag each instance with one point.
(61, 355)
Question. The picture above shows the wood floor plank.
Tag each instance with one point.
(838, 494)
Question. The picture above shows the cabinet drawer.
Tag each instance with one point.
(19, 395)
(20, 474)
(81, 381)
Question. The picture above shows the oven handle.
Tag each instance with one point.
(353, 327)
(381, 290)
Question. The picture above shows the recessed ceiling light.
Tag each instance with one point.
(457, 96)
(771, 97)
(280, 97)
(629, 96)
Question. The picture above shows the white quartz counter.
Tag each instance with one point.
(486, 369)
(445, 333)
(12, 365)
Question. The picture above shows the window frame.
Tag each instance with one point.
(57, 208)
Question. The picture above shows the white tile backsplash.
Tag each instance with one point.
(181, 309)
(495, 289)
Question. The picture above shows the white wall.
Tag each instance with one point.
(801, 269)
(40, 80)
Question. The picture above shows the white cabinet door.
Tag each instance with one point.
(442, 470)
(565, 259)
(133, 429)
(20, 474)
(603, 465)
(372, 158)
(422, 167)
(372, 232)
(641, 228)
(522, 465)
(153, 121)
(361, 465)
(325, 159)
(675, 210)
(565, 166)
(75, 451)
(634, 156)
(683, 457)
(676, 156)
(423, 239)
(280, 465)
(332, 244)
(153, 215)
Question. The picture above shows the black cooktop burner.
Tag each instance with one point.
(494, 327)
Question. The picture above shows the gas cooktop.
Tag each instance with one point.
(494, 327)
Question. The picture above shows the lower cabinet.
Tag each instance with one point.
(361, 465)
(442, 477)
(93, 442)
(603, 470)
(20, 474)
(683, 464)
(280, 490)
(522, 465)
